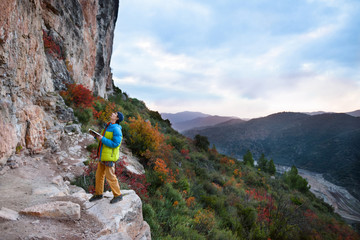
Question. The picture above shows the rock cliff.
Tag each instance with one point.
(45, 44)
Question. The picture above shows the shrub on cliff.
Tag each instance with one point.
(143, 136)
(78, 96)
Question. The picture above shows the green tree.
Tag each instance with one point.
(295, 181)
(248, 159)
(271, 167)
(201, 142)
(262, 163)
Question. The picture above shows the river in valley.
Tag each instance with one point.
(338, 197)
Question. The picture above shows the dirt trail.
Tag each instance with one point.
(38, 179)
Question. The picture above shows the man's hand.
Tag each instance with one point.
(99, 137)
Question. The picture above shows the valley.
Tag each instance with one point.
(324, 143)
(346, 205)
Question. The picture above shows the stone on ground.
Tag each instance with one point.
(57, 210)
(8, 214)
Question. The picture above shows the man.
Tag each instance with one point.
(108, 153)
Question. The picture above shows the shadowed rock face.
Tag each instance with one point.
(45, 44)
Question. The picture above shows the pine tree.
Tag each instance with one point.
(201, 142)
(295, 181)
(271, 167)
(262, 163)
(248, 159)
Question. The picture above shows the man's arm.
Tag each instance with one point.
(116, 140)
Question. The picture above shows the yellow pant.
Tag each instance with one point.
(108, 172)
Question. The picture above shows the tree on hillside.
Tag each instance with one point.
(201, 142)
(295, 181)
(271, 167)
(262, 163)
(248, 159)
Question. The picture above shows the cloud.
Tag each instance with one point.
(247, 59)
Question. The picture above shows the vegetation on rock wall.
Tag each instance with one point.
(192, 192)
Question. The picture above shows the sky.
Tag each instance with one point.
(237, 57)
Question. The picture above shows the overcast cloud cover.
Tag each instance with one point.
(239, 58)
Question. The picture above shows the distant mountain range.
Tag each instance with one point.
(183, 121)
(188, 120)
(327, 143)
(353, 113)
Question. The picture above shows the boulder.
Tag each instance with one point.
(123, 217)
(73, 128)
(132, 163)
(8, 214)
(60, 210)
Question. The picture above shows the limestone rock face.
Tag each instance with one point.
(45, 44)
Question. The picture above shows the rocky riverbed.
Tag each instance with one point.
(343, 202)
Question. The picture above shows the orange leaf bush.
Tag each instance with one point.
(165, 174)
(143, 136)
(204, 220)
(190, 202)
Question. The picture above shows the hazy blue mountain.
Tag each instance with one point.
(182, 116)
(326, 143)
(354, 113)
(201, 122)
(188, 120)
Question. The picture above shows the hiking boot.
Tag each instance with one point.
(116, 199)
(95, 197)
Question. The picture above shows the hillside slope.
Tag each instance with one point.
(325, 143)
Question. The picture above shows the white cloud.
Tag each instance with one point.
(126, 80)
(275, 72)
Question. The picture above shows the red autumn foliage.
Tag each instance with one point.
(265, 212)
(185, 153)
(51, 46)
(258, 195)
(310, 215)
(137, 182)
(342, 231)
(78, 95)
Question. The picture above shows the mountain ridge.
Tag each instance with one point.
(183, 121)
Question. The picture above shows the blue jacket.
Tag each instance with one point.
(110, 143)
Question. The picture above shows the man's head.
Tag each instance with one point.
(120, 117)
(116, 117)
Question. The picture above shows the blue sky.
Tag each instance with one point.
(239, 58)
